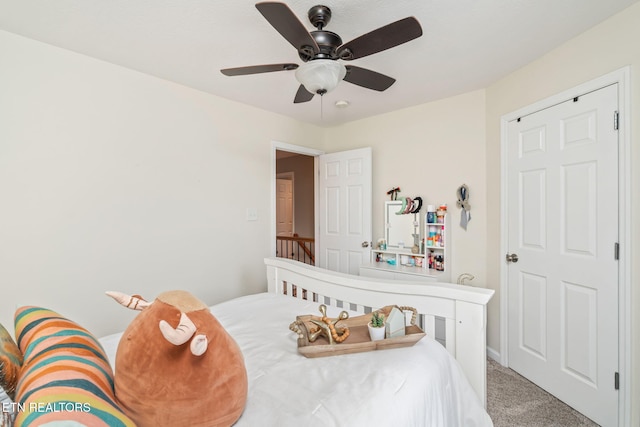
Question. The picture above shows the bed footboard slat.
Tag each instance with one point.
(429, 325)
(450, 335)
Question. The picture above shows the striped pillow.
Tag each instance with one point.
(66, 377)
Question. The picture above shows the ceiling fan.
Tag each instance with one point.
(320, 51)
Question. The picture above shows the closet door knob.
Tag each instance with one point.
(365, 244)
(512, 257)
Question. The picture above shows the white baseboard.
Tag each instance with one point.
(493, 354)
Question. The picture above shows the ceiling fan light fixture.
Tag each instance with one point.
(321, 75)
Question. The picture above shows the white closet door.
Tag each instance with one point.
(563, 227)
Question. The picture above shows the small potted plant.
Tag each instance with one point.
(376, 326)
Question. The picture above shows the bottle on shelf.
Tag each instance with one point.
(431, 214)
(431, 238)
(439, 263)
(440, 213)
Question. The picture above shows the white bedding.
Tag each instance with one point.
(420, 385)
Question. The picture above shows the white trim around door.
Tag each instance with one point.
(620, 77)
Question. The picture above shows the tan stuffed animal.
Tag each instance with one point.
(177, 366)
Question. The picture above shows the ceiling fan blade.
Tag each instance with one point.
(367, 78)
(257, 69)
(303, 95)
(287, 24)
(381, 39)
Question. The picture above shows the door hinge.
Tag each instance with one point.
(616, 119)
(616, 381)
(616, 251)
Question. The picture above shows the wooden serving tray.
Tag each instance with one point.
(358, 340)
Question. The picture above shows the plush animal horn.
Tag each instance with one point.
(181, 334)
(134, 302)
(199, 345)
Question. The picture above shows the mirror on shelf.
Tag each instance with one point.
(400, 229)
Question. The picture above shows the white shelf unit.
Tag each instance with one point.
(406, 265)
(442, 250)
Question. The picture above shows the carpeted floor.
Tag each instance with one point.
(514, 401)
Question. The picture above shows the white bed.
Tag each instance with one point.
(422, 385)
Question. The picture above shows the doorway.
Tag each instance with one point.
(295, 206)
(564, 315)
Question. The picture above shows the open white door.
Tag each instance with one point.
(345, 203)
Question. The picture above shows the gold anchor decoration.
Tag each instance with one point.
(326, 327)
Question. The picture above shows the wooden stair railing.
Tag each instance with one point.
(295, 247)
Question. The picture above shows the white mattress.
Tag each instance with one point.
(420, 385)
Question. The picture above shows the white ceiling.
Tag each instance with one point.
(466, 44)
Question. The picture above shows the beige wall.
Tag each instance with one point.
(429, 151)
(112, 179)
(603, 49)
